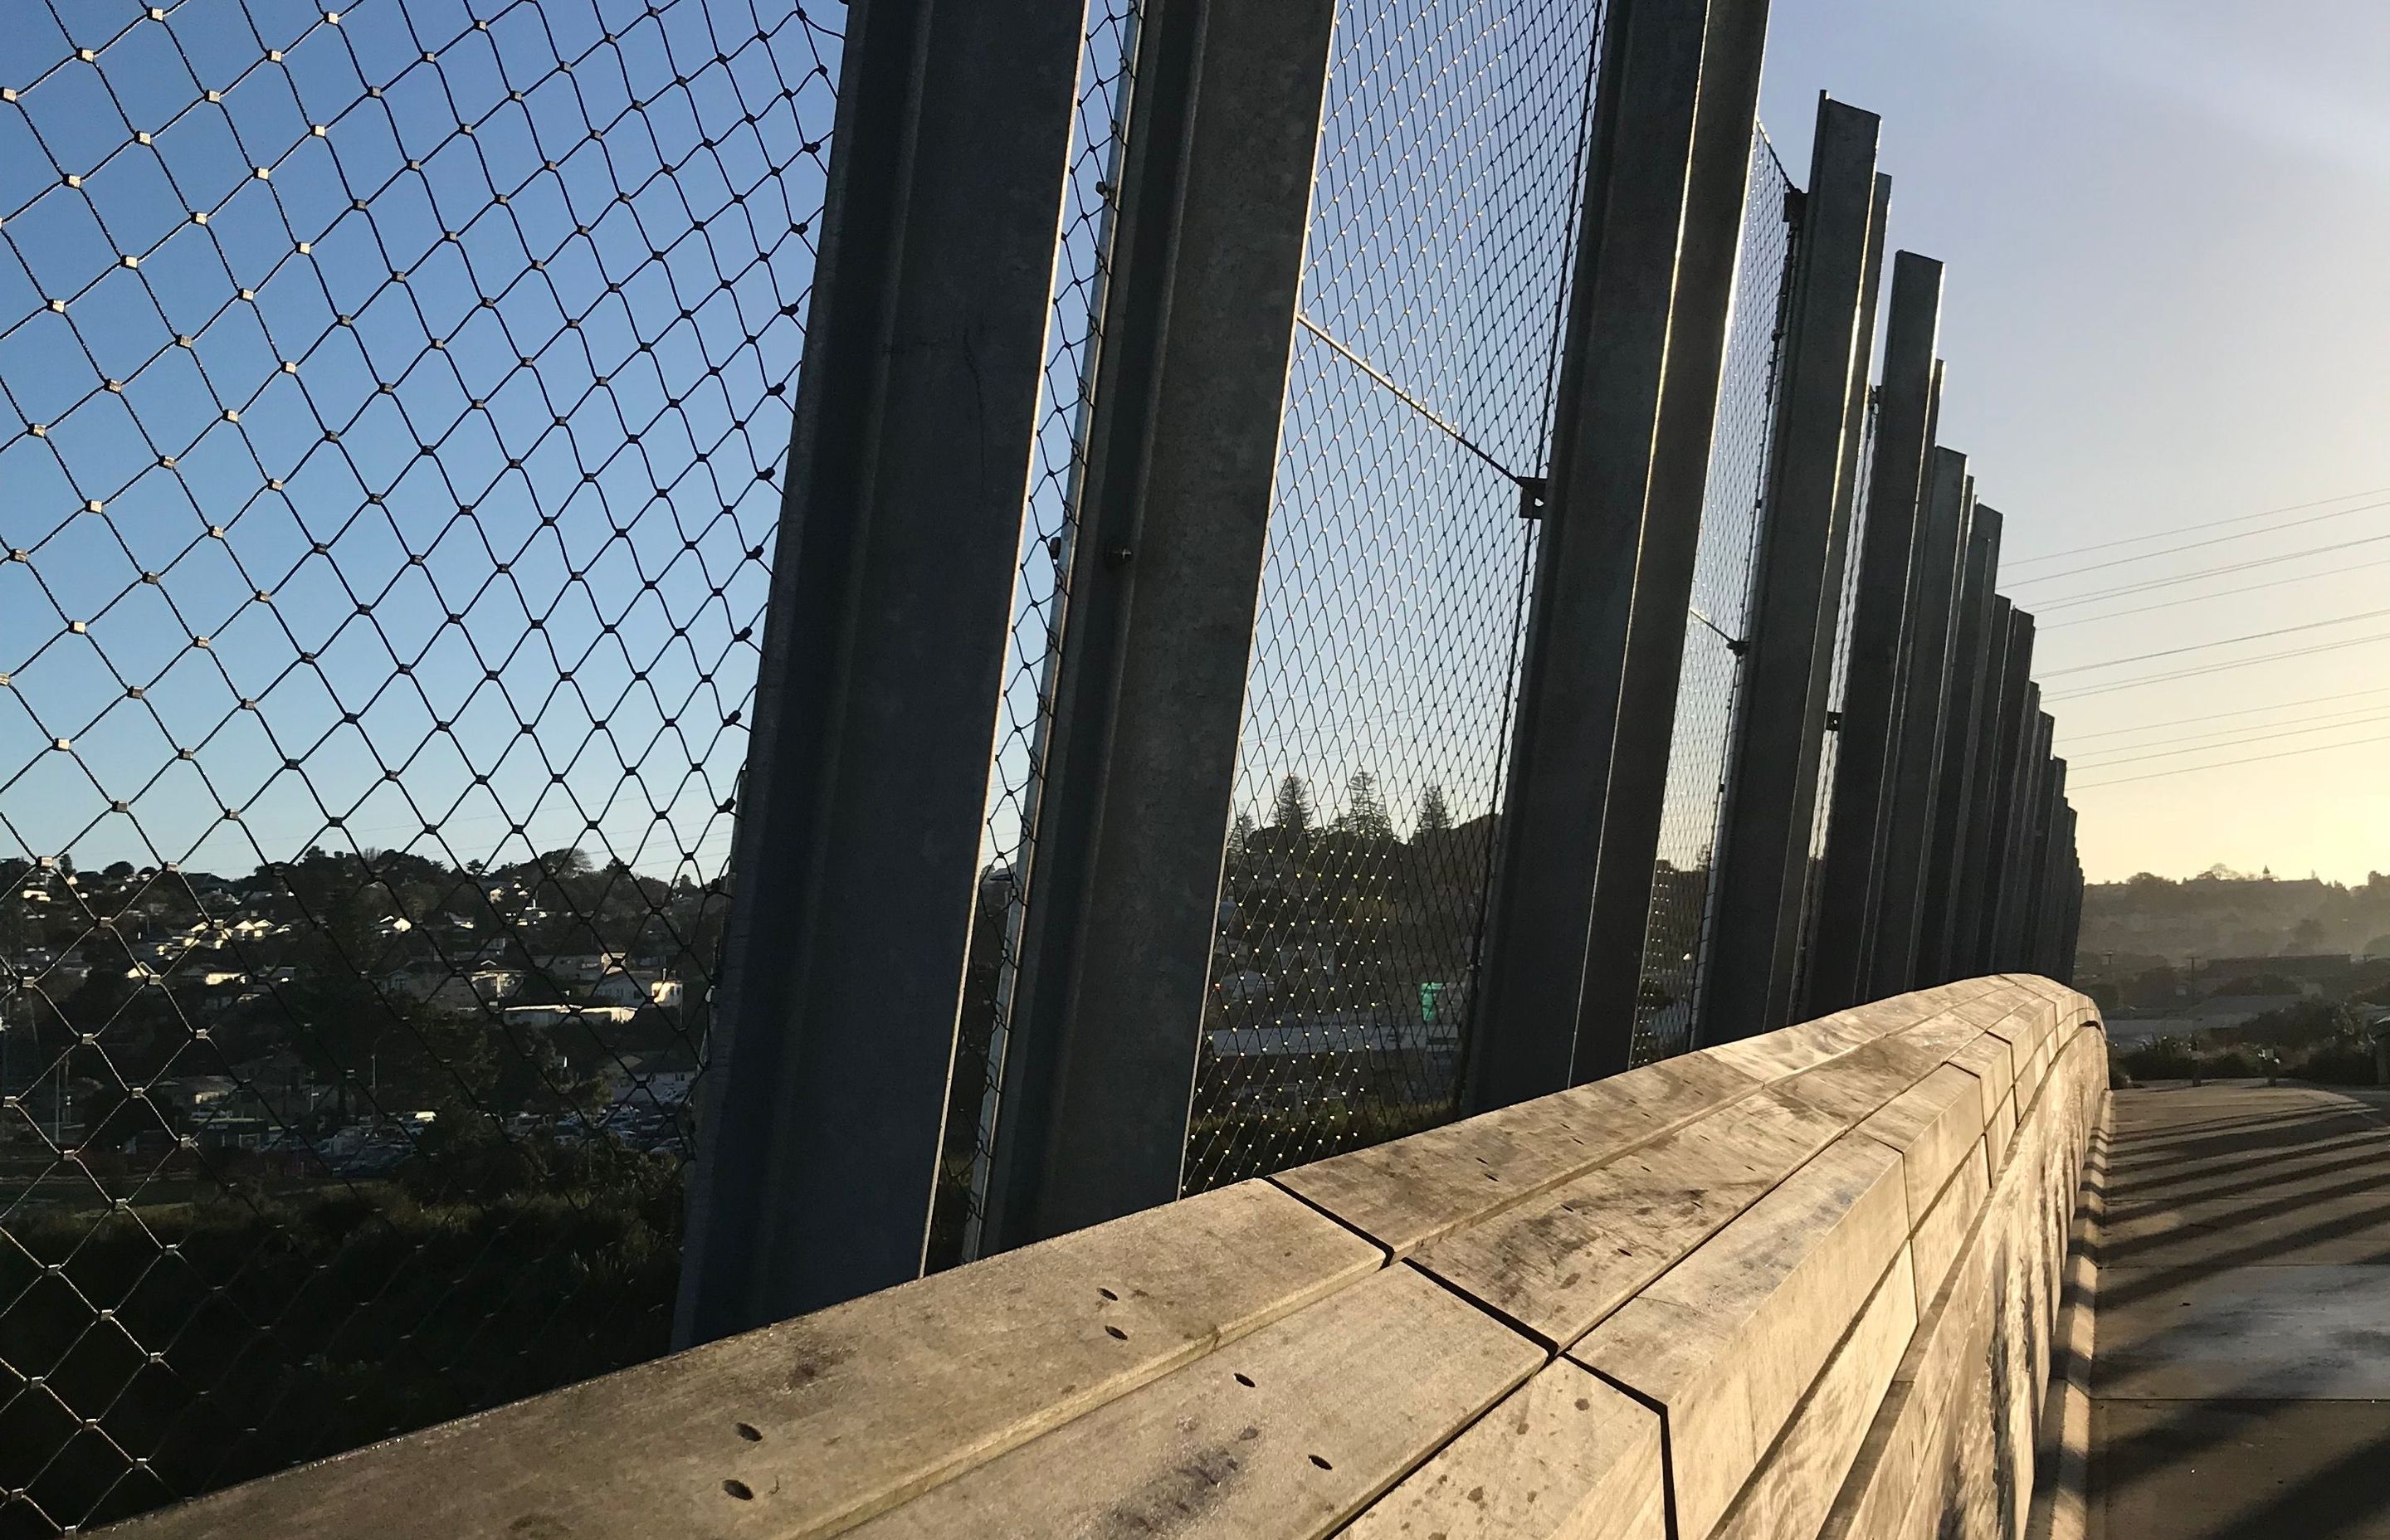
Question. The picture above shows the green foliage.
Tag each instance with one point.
(239, 1313)
(1290, 811)
(2258, 983)
(1365, 811)
(2308, 1024)
(2305, 1050)
(1235, 1143)
(288, 1327)
(2222, 913)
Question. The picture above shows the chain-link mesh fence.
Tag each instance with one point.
(1712, 677)
(393, 404)
(1369, 767)
(398, 400)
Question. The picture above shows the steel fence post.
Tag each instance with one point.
(1980, 925)
(2040, 895)
(1924, 709)
(1760, 874)
(1634, 802)
(885, 636)
(2014, 817)
(2016, 879)
(2053, 883)
(1956, 798)
(2071, 933)
(2035, 752)
(1599, 514)
(1972, 855)
(2031, 874)
(1789, 985)
(1131, 823)
(1840, 927)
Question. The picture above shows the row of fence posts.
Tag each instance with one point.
(1950, 847)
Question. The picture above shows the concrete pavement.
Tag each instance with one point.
(2242, 1373)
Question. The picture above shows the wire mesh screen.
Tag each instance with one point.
(1082, 263)
(1370, 767)
(393, 405)
(1830, 748)
(1712, 673)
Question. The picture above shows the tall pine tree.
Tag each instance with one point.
(1291, 810)
(1365, 811)
(1435, 817)
(1240, 836)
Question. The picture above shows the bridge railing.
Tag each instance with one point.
(1805, 1284)
(667, 662)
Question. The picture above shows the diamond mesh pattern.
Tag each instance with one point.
(393, 404)
(1370, 767)
(1712, 672)
(395, 401)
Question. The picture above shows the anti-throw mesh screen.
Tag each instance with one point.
(1369, 768)
(393, 405)
(1712, 676)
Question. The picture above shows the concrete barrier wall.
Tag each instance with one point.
(1803, 1284)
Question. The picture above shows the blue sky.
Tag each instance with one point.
(285, 319)
(2163, 225)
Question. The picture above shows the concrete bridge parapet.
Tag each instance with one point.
(1806, 1284)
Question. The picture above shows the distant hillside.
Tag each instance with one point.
(2222, 913)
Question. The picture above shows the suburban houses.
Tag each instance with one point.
(160, 1007)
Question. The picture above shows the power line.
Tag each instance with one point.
(2217, 717)
(2211, 524)
(2193, 546)
(2216, 667)
(2200, 599)
(2129, 589)
(2224, 641)
(2224, 765)
(2200, 743)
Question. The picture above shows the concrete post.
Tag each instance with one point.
(1132, 819)
(1957, 798)
(1760, 875)
(1605, 454)
(857, 844)
(1924, 707)
(1840, 927)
